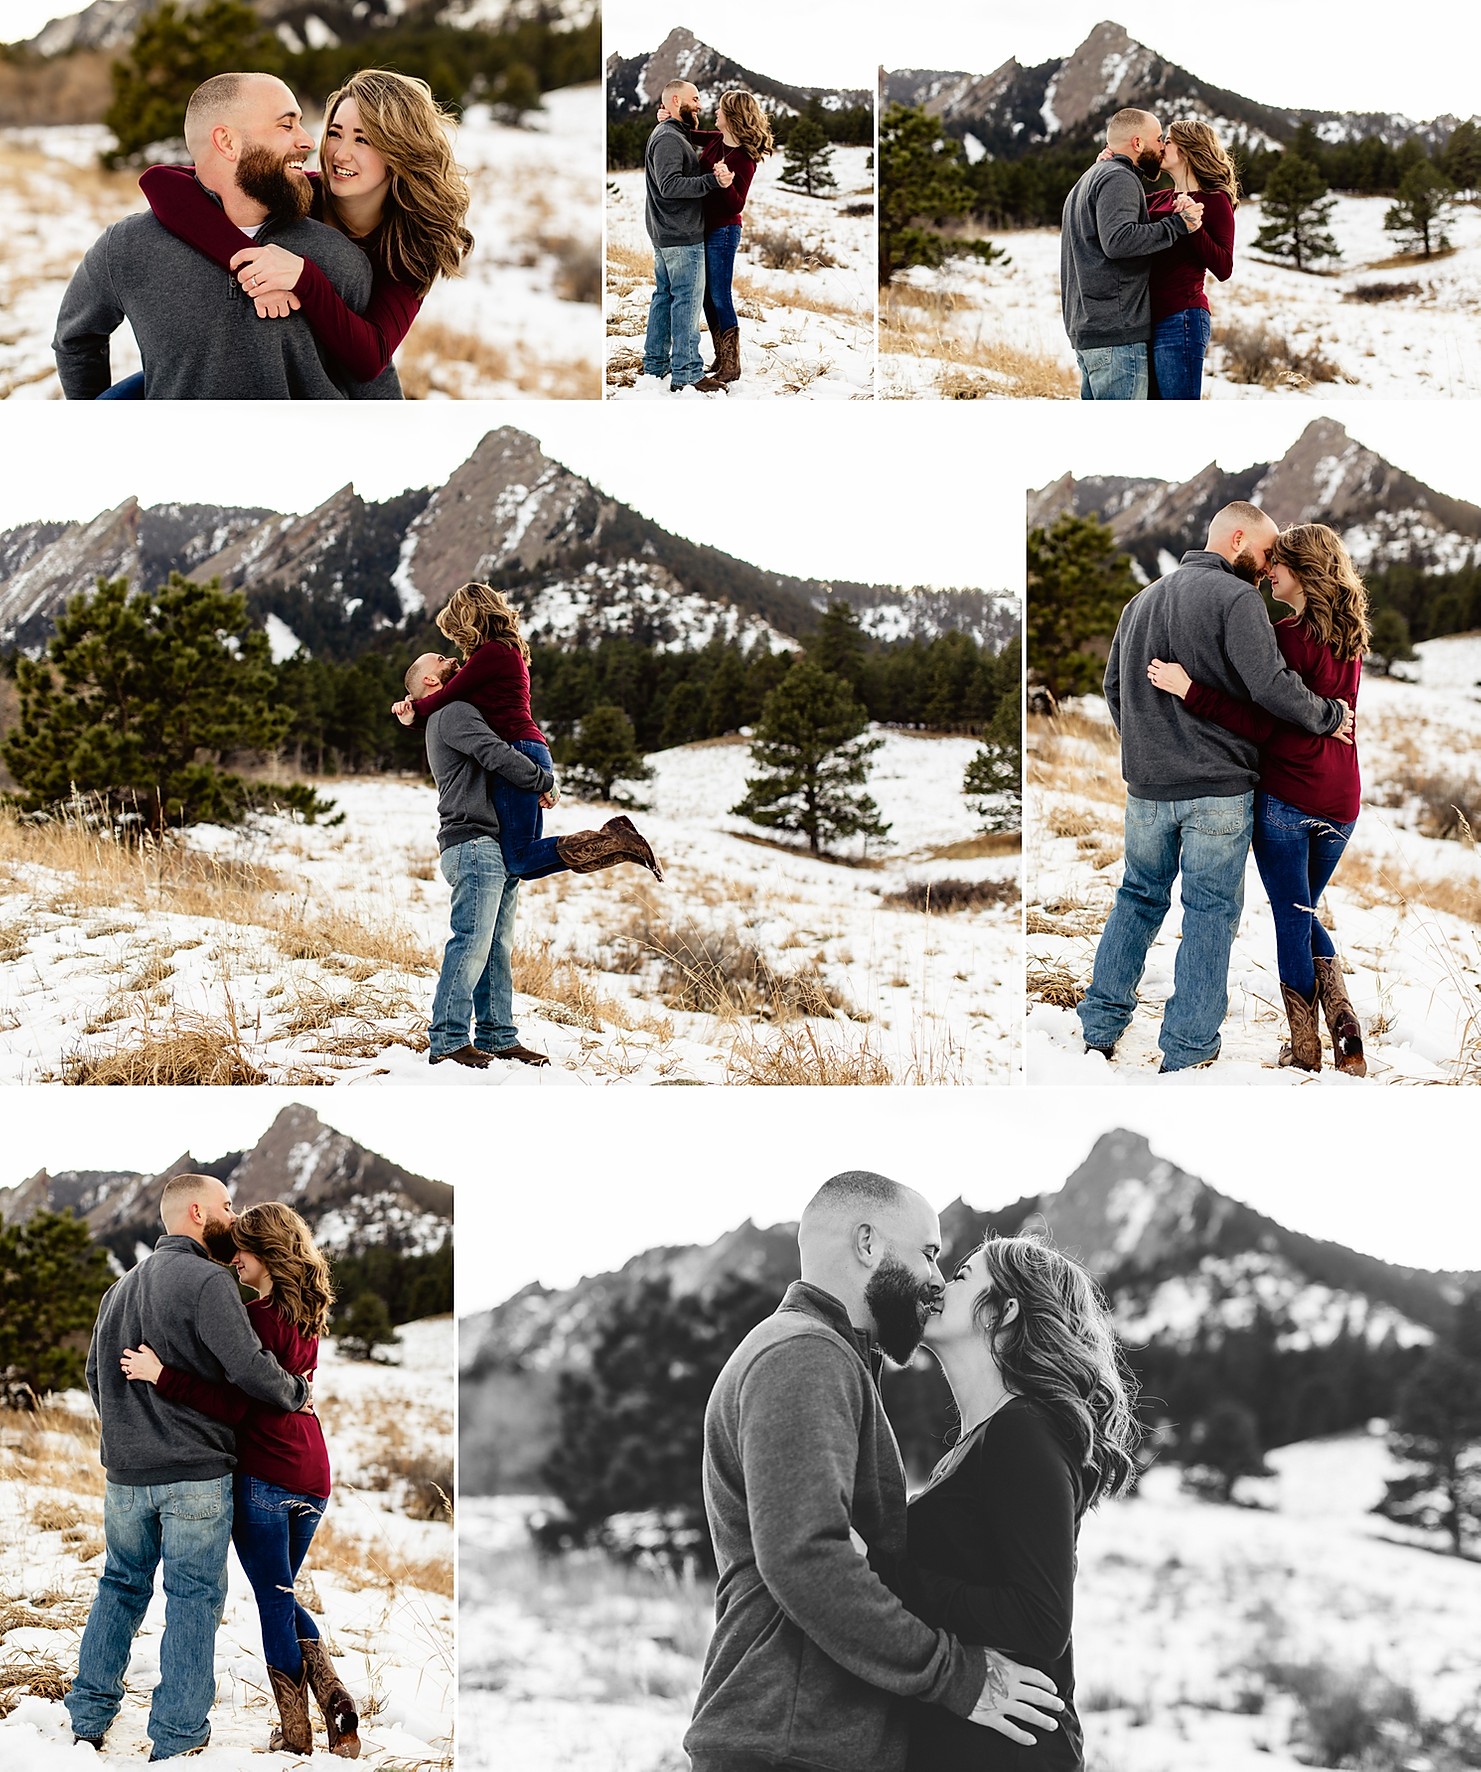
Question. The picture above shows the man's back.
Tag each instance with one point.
(199, 335)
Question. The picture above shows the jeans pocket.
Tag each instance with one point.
(1221, 821)
(1142, 812)
(195, 1501)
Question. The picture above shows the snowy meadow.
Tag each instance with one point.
(1375, 324)
(521, 323)
(1404, 907)
(804, 286)
(379, 1576)
(294, 953)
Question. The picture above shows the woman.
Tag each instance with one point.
(742, 141)
(495, 678)
(388, 180)
(1309, 791)
(282, 1478)
(1047, 1428)
(1199, 165)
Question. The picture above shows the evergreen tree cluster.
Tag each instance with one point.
(1436, 1432)
(410, 1286)
(52, 1275)
(174, 50)
(926, 191)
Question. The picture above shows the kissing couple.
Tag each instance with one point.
(854, 1632)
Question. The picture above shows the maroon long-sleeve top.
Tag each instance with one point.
(1318, 776)
(288, 1450)
(1176, 275)
(724, 207)
(363, 344)
(496, 680)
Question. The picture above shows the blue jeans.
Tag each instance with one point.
(1113, 372)
(720, 250)
(672, 344)
(528, 853)
(476, 983)
(1206, 840)
(130, 388)
(1179, 345)
(272, 1529)
(1297, 853)
(186, 1527)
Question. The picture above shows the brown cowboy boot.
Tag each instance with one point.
(727, 355)
(341, 1719)
(1304, 1048)
(294, 1734)
(586, 852)
(1342, 1022)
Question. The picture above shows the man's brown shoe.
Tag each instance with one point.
(469, 1055)
(521, 1054)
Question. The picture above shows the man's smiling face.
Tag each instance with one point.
(274, 147)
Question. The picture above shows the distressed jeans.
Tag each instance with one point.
(1113, 372)
(185, 1527)
(671, 346)
(1207, 842)
(1297, 853)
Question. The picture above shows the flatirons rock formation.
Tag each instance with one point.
(635, 83)
(1384, 514)
(1013, 110)
(350, 1197)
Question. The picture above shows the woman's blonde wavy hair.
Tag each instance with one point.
(1061, 1351)
(477, 613)
(1336, 612)
(747, 122)
(427, 203)
(1208, 159)
(278, 1237)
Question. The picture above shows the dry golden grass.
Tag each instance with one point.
(1068, 821)
(978, 848)
(14, 940)
(188, 1049)
(796, 1058)
(1054, 985)
(376, 1564)
(441, 360)
(918, 323)
(38, 1676)
(1390, 883)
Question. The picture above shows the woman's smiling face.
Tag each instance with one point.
(353, 168)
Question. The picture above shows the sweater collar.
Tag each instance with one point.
(813, 1301)
(1210, 561)
(174, 1243)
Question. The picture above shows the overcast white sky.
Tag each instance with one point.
(889, 496)
(1362, 56)
(823, 43)
(22, 19)
(1430, 439)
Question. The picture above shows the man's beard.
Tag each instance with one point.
(1248, 568)
(221, 1245)
(1149, 164)
(264, 177)
(894, 1297)
(689, 116)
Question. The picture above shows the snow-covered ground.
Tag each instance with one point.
(807, 330)
(327, 968)
(1404, 907)
(1187, 1618)
(378, 1581)
(509, 329)
(998, 326)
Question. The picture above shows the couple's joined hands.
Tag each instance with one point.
(269, 274)
(1176, 681)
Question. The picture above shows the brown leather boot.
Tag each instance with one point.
(586, 852)
(1342, 1022)
(727, 355)
(341, 1719)
(294, 1733)
(1304, 1048)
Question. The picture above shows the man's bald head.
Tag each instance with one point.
(873, 1244)
(426, 672)
(189, 1200)
(1243, 535)
(1129, 125)
(225, 100)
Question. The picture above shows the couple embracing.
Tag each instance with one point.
(1235, 734)
(854, 1632)
(209, 1439)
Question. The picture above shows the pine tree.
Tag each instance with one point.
(813, 761)
(993, 782)
(840, 644)
(603, 752)
(923, 187)
(52, 1275)
(139, 698)
(364, 1327)
(1437, 1431)
(1078, 584)
(1390, 643)
(1223, 1447)
(172, 53)
(1296, 208)
(1424, 207)
(808, 157)
(1461, 160)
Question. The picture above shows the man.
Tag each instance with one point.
(169, 1493)
(676, 188)
(812, 1652)
(1105, 239)
(198, 329)
(1190, 783)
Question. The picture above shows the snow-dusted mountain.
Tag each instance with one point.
(1014, 109)
(635, 82)
(1384, 514)
(351, 1198)
(579, 564)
